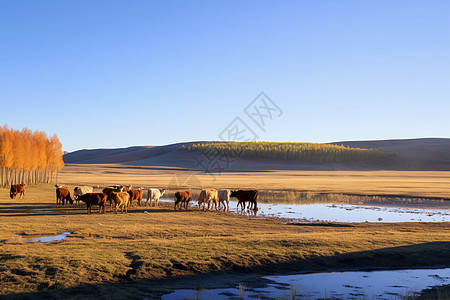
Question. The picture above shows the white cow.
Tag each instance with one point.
(224, 199)
(81, 190)
(153, 195)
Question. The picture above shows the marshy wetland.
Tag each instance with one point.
(156, 251)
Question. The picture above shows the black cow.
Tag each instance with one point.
(94, 199)
(246, 196)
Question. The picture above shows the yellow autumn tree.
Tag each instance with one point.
(28, 157)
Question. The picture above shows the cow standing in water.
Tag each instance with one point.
(224, 199)
(246, 196)
(17, 189)
(208, 197)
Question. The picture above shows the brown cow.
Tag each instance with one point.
(108, 190)
(135, 195)
(63, 195)
(120, 199)
(17, 189)
(182, 198)
(246, 196)
(94, 199)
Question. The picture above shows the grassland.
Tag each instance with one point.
(140, 253)
(407, 183)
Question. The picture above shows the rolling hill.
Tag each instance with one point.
(426, 154)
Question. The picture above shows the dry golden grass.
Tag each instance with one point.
(163, 243)
(408, 183)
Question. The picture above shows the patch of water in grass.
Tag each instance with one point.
(47, 239)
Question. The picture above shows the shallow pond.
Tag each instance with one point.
(351, 213)
(345, 208)
(337, 285)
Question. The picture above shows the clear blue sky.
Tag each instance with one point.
(103, 74)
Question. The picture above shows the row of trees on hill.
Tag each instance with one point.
(310, 152)
(28, 157)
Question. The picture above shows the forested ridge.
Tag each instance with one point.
(310, 152)
(28, 157)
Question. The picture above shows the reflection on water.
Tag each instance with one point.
(299, 197)
(337, 285)
(308, 206)
(351, 213)
(47, 239)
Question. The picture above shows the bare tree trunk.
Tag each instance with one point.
(10, 177)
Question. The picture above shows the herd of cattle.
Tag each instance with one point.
(122, 197)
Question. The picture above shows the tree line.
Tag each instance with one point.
(28, 157)
(310, 152)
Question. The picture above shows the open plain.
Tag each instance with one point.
(146, 252)
(408, 183)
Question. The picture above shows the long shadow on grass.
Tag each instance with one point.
(35, 209)
(428, 255)
(46, 209)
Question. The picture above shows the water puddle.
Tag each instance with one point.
(337, 285)
(47, 239)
